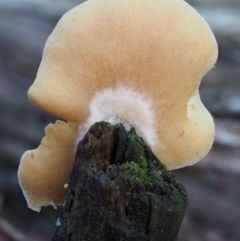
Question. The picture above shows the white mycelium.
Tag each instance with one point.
(123, 106)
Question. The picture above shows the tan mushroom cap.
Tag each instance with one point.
(44, 172)
(159, 49)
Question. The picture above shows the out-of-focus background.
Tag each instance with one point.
(213, 184)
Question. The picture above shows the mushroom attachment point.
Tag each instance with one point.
(138, 62)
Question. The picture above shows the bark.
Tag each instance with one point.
(119, 191)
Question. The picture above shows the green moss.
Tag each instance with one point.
(136, 162)
(138, 170)
(138, 158)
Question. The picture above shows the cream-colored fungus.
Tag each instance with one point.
(139, 62)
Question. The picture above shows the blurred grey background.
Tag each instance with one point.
(213, 184)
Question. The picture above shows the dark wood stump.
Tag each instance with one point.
(119, 191)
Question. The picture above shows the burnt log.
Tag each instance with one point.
(119, 191)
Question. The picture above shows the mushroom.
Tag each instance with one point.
(138, 62)
(44, 172)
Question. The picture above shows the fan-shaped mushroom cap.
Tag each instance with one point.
(159, 50)
(43, 172)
